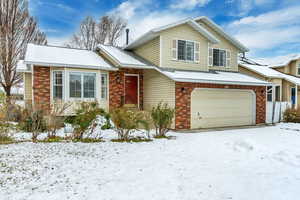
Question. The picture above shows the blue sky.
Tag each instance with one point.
(268, 27)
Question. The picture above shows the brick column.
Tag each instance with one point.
(41, 86)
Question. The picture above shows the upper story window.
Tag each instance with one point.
(185, 50)
(57, 86)
(298, 69)
(82, 85)
(219, 57)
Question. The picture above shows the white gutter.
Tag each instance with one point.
(70, 65)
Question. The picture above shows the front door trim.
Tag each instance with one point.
(138, 87)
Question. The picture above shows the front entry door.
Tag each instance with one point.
(131, 89)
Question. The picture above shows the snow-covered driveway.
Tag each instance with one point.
(246, 164)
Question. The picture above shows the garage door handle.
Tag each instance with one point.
(198, 115)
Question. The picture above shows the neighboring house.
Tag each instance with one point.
(283, 72)
(191, 65)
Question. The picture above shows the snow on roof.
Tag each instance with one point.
(64, 57)
(262, 70)
(192, 22)
(266, 71)
(278, 61)
(217, 77)
(123, 57)
(22, 67)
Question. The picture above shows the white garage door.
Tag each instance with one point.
(222, 107)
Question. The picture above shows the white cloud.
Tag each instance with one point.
(269, 30)
(243, 7)
(188, 4)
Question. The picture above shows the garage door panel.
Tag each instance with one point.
(222, 107)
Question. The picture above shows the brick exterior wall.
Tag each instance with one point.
(117, 90)
(183, 101)
(41, 86)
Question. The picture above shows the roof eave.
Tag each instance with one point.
(222, 82)
(235, 42)
(70, 65)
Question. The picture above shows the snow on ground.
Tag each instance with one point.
(247, 164)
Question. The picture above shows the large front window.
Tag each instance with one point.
(82, 85)
(185, 50)
(219, 58)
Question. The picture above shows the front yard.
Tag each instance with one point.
(245, 164)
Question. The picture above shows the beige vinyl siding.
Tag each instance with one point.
(150, 51)
(27, 77)
(74, 103)
(183, 32)
(286, 90)
(226, 45)
(251, 73)
(158, 88)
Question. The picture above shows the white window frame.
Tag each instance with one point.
(225, 59)
(82, 85)
(194, 42)
(107, 86)
(52, 84)
(298, 68)
(273, 93)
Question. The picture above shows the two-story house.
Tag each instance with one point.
(282, 71)
(192, 65)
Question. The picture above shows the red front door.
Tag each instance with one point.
(131, 89)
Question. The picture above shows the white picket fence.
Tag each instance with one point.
(275, 110)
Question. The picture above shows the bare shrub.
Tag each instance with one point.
(162, 117)
(33, 120)
(54, 120)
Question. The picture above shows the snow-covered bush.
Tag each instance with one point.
(162, 117)
(127, 121)
(85, 118)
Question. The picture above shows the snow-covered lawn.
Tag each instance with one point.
(245, 164)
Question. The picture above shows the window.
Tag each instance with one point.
(186, 50)
(269, 93)
(298, 69)
(277, 93)
(57, 81)
(82, 85)
(219, 57)
(104, 86)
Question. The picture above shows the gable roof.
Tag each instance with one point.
(153, 33)
(192, 22)
(219, 30)
(266, 71)
(124, 58)
(216, 77)
(44, 55)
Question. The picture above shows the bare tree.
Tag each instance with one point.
(115, 29)
(17, 29)
(85, 38)
(92, 33)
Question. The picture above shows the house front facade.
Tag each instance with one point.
(283, 72)
(191, 65)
